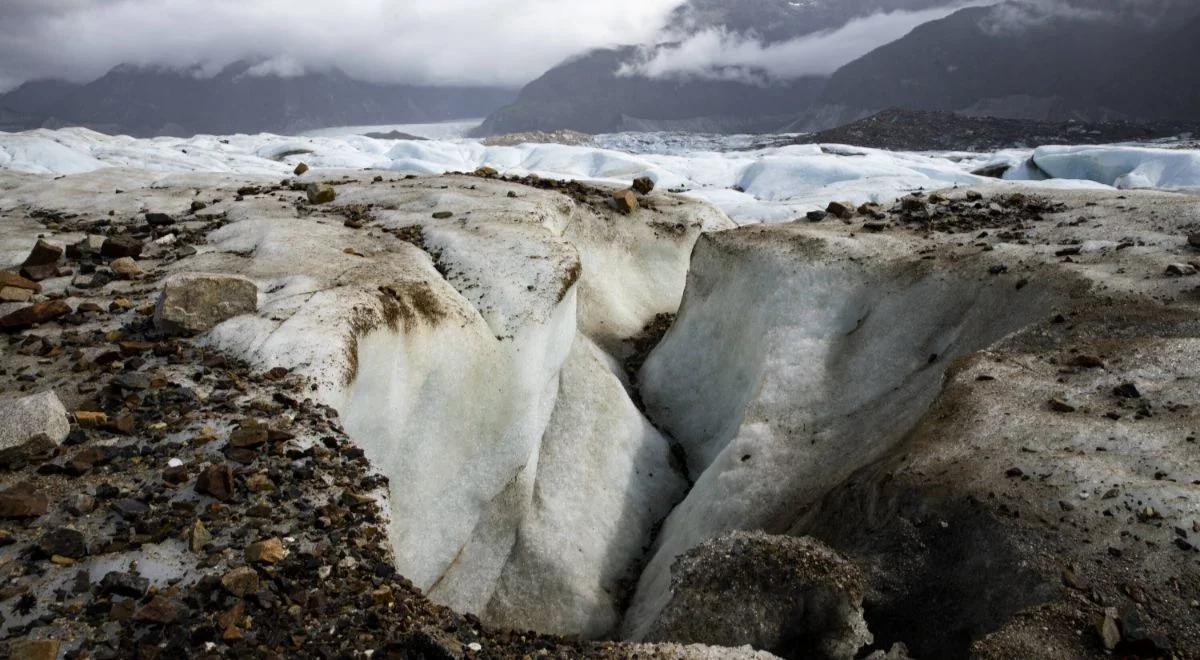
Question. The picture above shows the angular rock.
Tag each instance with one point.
(216, 481)
(193, 303)
(35, 314)
(320, 193)
(241, 581)
(37, 414)
(816, 216)
(115, 247)
(198, 537)
(770, 592)
(626, 201)
(300, 169)
(643, 185)
(270, 551)
(843, 210)
(12, 280)
(42, 262)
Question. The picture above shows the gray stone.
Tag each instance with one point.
(22, 419)
(193, 303)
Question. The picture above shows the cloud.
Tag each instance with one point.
(719, 54)
(498, 42)
(1020, 15)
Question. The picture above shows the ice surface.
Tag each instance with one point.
(771, 184)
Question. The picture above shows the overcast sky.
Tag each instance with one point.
(505, 42)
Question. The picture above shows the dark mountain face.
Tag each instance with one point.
(1016, 60)
(587, 93)
(151, 101)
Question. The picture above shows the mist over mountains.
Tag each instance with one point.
(713, 66)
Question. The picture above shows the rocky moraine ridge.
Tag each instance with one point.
(364, 415)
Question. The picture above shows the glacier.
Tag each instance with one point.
(771, 184)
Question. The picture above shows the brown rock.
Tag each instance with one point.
(42, 312)
(643, 185)
(23, 501)
(34, 649)
(486, 171)
(160, 610)
(42, 262)
(216, 481)
(270, 551)
(15, 281)
(625, 200)
(300, 169)
(241, 581)
(91, 420)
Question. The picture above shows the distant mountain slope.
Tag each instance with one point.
(922, 130)
(155, 101)
(1164, 83)
(1011, 61)
(587, 94)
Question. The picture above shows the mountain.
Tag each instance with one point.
(588, 94)
(149, 101)
(1015, 60)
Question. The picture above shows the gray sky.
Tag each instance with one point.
(491, 42)
(506, 42)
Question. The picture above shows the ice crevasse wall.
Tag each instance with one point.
(482, 376)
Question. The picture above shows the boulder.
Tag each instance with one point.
(39, 414)
(626, 201)
(320, 193)
(300, 169)
(794, 597)
(42, 262)
(162, 219)
(643, 185)
(193, 303)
